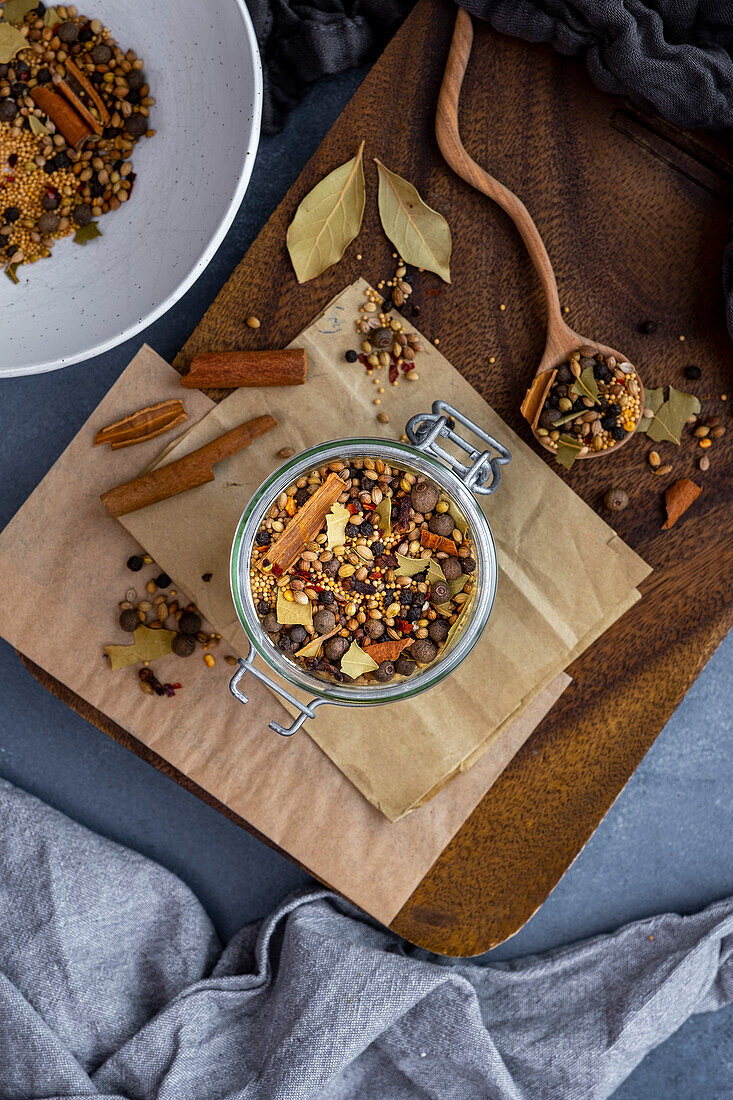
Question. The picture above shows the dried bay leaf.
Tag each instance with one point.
(336, 521)
(311, 648)
(149, 645)
(669, 420)
(435, 571)
(290, 613)
(11, 42)
(420, 234)
(15, 11)
(328, 219)
(51, 17)
(653, 401)
(11, 272)
(586, 385)
(355, 662)
(408, 567)
(568, 449)
(87, 233)
(384, 511)
(459, 520)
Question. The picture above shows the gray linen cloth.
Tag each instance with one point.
(113, 984)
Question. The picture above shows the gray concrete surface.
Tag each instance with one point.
(665, 845)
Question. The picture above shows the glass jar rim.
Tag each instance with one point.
(416, 461)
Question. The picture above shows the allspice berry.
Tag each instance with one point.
(189, 623)
(424, 497)
(129, 621)
(374, 628)
(615, 500)
(452, 569)
(441, 524)
(183, 645)
(335, 648)
(423, 651)
(384, 673)
(438, 630)
(324, 621)
(439, 592)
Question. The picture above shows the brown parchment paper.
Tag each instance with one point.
(399, 756)
(62, 560)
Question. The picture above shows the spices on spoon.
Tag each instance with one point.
(591, 405)
(362, 598)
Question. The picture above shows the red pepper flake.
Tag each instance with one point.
(407, 367)
(363, 359)
(176, 687)
(404, 626)
(352, 508)
(393, 373)
(368, 507)
(434, 292)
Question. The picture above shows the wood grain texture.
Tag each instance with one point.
(634, 216)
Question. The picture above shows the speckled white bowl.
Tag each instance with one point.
(204, 71)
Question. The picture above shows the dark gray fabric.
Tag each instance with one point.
(113, 984)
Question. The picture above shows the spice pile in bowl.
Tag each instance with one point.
(593, 404)
(73, 105)
(362, 571)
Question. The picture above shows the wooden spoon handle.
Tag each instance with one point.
(449, 141)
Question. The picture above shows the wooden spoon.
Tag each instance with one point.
(561, 339)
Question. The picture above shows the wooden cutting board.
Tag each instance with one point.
(634, 214)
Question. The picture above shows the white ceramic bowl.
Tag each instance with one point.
(204, 70)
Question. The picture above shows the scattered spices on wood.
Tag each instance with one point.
(135, 564)
(232, 369)
(678, 498)
(648, 327)
(693, 372)
(285, 452)
(252, 321)
(184, 473)
(142, 425)
(669, 417)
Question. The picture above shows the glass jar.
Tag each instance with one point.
(421, 455)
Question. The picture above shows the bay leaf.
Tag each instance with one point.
(11, 272)
(51, 17)
(568, 449)
(328, 219)
(87, 233)
(336, 521)
(11, 42)
(586, 385)
(435, 571)
(149, 645)
(290, 613)
(384, 511)
(456, 627)
(669, 420)
(459, 520)
(355, 662)
(311, 648)
(567, 418)
(653, 400)
(408, 567)
(36, 125)
(15, 11)
(420, 234)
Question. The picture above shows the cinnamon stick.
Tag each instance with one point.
(304, 526)
(142, 425)
(65, 118)
(229, 369)
(535, 396)
(185, 473)
(437, 542)
(79, 105)
(88, 88)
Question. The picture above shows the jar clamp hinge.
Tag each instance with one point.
(483, 475)
(307, 710)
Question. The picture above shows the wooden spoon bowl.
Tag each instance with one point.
(561, 340)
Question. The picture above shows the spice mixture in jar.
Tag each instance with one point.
(593, 403)
(73, 104)
(361, 571)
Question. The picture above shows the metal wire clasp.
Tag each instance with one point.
(307, 710)
(484, 474)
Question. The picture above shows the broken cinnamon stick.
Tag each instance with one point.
(88, 88)
(678, 498)
(229, 369)
(303, 527)
(142, 425)
(535, 396)
(185, 473)
(65, 118)
(387, 651)
(437, 542)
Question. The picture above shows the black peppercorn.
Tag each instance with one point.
(183, 645)
(263, 607)
(377, 548)
(189, 622)
(162, 580)
(129, 620)
(468, 564)
(352, 530)
(135, 563)
(206, 577)
(262, 538)
(618, 433)
(367, 530)
(351, 356)
(327, 597)
(11, 214)
(648, 327)
(693, 373)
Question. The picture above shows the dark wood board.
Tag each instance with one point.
(634, 215)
